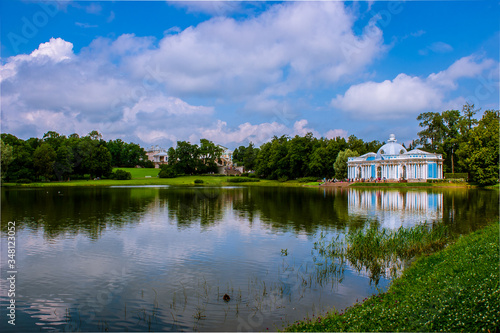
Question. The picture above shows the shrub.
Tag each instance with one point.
(198, 181)
(307, 179)
(252, 175)
(121, 175)
(282, 179)
(456, 175)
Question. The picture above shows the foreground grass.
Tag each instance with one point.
(455, 289)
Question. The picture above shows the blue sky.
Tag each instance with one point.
(155, 72)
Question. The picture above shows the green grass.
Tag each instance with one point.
(140, 172)
(455, 289)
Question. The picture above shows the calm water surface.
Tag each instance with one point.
(161, 259)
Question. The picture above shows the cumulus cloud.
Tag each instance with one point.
(336, 133)
(143, 88)
(408, 94)
(304, 43)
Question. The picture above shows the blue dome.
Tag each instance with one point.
(391, 148)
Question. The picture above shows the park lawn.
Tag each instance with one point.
(141, 172)
(455, 289)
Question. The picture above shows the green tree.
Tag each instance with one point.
(250, 156)
(6, 156)
(99, 161)
(340, 165)
(208, 153)
(432, 134)
(44, 158)
(481, 151)
(317, 164)
(452, 137)
(63, 166)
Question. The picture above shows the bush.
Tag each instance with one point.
(121, 175)
(245, 174)
(282, 179)
(167, 171)
(456, 175)
(434, 181)
(307, 179)
(198, 181)
(242, 180)
(252, 175)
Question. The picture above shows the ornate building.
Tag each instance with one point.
(393, 162)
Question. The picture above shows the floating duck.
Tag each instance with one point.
(226, 298)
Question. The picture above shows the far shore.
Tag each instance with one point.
(210, 180)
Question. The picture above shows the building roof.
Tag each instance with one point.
(391, 148)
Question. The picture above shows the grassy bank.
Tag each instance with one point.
(455, 289)
(143, 176)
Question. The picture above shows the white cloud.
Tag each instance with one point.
(304, 43)
(217, 8)
(404, 94)
(336, 133)
(408, 94)
(437, 47)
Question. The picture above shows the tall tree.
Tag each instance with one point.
(44, 158)
(432, 134)
(6, 156)
(340, 165)
(481, 152)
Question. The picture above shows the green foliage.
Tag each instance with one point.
(167, 171)
(6, 156)
(379, 251)
(121, 175)
(307, 179)
(462, 175)
(481, 151)
(127, 155)
(43, 160)
(453, 181)
(454, 290)
(340, 165)
(198, 181)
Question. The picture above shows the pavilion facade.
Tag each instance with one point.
(393, 162)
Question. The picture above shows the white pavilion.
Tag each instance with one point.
(393, 162)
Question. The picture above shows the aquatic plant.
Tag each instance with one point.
(455, 289)
(381, 252)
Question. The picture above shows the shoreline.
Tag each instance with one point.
(453, 289)
(218, 181)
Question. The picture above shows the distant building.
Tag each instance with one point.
(157, 155)
(393, 162)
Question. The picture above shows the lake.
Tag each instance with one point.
(162, 258)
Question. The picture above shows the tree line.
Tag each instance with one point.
(57, 157)
(468, 145)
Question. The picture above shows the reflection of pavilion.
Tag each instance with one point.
(394, 208)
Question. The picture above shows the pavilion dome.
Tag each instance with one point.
(391, 147)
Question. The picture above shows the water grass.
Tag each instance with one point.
(381, 252)
(454, 289)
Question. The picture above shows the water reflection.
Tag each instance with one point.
(161, 258)
(393, 209)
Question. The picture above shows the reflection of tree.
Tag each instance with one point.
(467, 211)
(92, 210)
(189, 205)
(73, 210)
